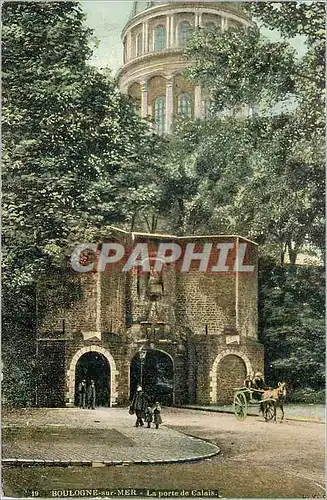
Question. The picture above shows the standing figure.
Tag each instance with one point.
(91, 396)
(139, 405)
(149, 416)
(156, 415)
(82, 393)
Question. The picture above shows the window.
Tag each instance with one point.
(185, 105)
(159, 114)
(159, 38)
(210, 26)
(184, 31)
(139, 45)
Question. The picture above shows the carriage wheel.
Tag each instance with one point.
(240, 406)
(269, 412)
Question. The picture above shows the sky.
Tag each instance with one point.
(107, 18)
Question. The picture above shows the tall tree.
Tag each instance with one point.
(270, 153)
(76, 155)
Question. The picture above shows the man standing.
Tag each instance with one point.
(91, 396)
(139, 405)
(82, 394)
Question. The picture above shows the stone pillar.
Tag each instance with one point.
(172, 31)
(145, 37)
(144, 99)
(197, 102)
(200, 19)
(129, 54)
(169, 105)
(167, 32)
(224, 23)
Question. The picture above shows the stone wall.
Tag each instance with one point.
(205, 321)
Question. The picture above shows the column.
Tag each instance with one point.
(200, 19)
(146, 37)
(224, 23)
(169, 105)
(168, 32)
(172, 31)
(196, 21)
(129, 46)
(197, 102)
(144, 99)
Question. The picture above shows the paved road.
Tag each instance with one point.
(258, 459)
(103, 435)
(292, 449)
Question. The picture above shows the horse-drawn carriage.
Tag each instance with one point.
(264, 400)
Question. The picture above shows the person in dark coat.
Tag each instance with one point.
(156, 415)
(259, 382)
(139, 405)
(91, 396)
(82, 393)
(149, 416)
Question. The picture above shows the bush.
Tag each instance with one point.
(307, 396)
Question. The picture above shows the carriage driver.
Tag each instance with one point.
(248, 382)
(259, 382)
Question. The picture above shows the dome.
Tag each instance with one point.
(141, 5)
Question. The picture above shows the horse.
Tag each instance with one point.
(277, 396)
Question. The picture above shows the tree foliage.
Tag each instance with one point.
(74, 149)
(261, 175)
(76, 156)
(291, 326)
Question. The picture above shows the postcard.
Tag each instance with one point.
(163, 249)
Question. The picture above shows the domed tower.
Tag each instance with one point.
(154, 39)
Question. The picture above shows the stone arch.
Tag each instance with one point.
(181, 86)
(72, 368)
(154, 348)
(213, 371)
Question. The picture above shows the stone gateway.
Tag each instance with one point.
(186, 337)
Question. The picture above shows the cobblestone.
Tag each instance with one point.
(103, 435)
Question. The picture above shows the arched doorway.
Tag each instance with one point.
(94, 366)
(156, 376)
(231, 372)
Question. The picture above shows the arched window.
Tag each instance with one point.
(159, 114)
(210, 26)
(184, 32)
(185, 104)
(139, 45)
(159, 38)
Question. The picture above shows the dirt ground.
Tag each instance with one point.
(257, 460)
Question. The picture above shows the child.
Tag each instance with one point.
(156, 415)
(148, 416)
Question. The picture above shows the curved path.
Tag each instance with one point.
(85, 437)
